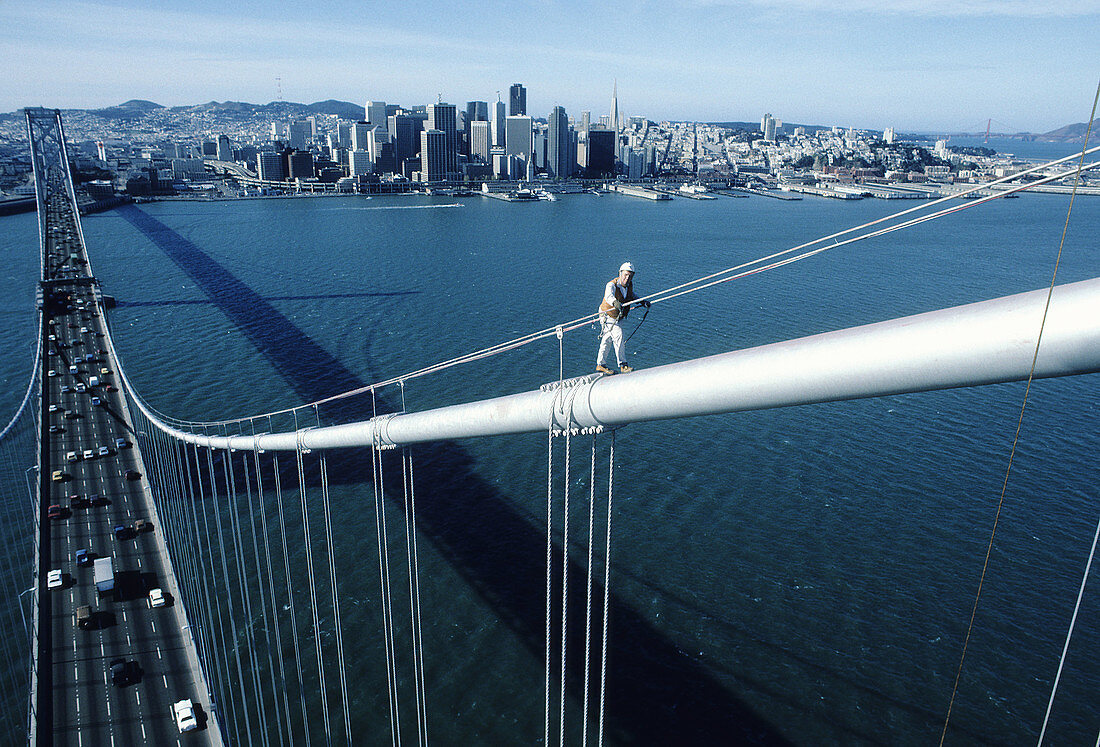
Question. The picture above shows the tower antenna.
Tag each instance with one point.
(278, 88)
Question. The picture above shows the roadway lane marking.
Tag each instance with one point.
(153, 625)
(158, 653)
(143, 732)
(138, 696)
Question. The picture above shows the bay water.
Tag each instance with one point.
(802, 575)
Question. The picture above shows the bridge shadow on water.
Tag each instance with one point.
(656, 693)
(269, 299)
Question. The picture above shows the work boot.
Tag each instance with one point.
(604, 369)
(625, 368)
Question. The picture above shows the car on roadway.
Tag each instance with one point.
(111, 388)
(122, 532)
(84, 557)
(104, 451)
(65, 388)
(51, 373)
(55, 579)
(183, 711)
(121, 443)
(122, 672)
(83, 330)
(54, 408)
(54, 511)
(133, 474)
(96, 402)
(56, 429)
(89, 454)
(81, 387)
(157, 598)
(58, 476)
(104, 371)
(70, 414)
(76, 500)
(71, 456)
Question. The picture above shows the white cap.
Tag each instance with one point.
(626, 266)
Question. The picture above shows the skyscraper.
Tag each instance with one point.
(301, 133)
(375, 112)
(559, 145)
(442, 117)
(404, 136)
(225, 150)
(517, 100)
(270, 166)
(767, 127)
(480, 140)
(518, 144)
(614, 118)
(498, 123)
(476, 111)
(360, 133)
(432, 155)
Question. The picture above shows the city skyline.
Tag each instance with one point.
(929, 65)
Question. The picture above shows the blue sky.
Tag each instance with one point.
(910, 64)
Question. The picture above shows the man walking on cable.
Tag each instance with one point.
(614, 307)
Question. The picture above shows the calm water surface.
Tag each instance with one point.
(803, 574)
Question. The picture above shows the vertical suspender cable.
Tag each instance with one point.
(260, 582)
(384, 576)
(252, 638)
(237, 545)
(290, 592)
(312, 584)
(564, 590)
(335, 590)
(588, 591)
(549, 533)
(228, 601)
(414, 586)
(201, 587)
(274, 602)
(226, 465)
(606, 588)
(213, 605)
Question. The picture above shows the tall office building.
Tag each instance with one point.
(559, 141)
(767, 127)
(360, 135)
(404, 136)
(359, 163)
(301, 165)
(375, 112)
(225, 150)
(586, 122)
(613, 119)
(343, 133)
(269, 164)
(477, 111)
(301, 134)
(600, 152)
(480, 141)
(442, 117)
(517, 100)
(498, 123)
(433, 157)
(517, 138)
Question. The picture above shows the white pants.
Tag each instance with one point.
(611, 335)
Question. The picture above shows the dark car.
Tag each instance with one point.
(122, 672)
(133, 474)
(122, 532)
(54, 511)
(83, 557)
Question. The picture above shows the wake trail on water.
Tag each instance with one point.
(400, 207)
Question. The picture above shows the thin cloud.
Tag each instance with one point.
(923, 8)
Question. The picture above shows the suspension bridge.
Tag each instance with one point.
(225, 591)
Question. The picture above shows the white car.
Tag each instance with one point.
(184, 713)
(54, 579)
(104, 451)
(89, 454)
(52, 373)
(156, 598)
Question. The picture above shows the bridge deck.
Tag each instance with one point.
(93, 490)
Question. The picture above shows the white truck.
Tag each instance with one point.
(104, 576)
